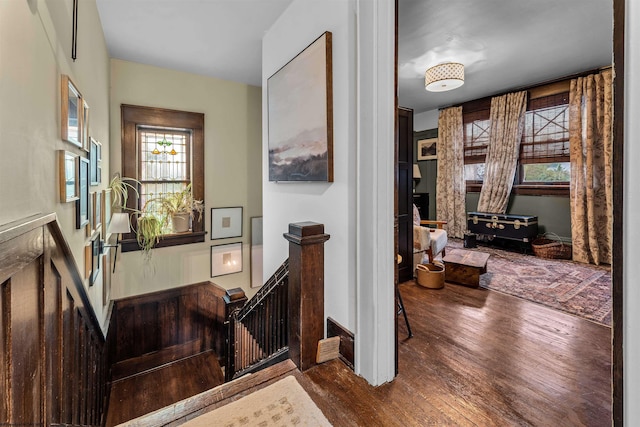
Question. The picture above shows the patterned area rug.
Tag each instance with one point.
(580, 289)
(284, 403)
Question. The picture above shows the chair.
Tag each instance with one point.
(428, 242)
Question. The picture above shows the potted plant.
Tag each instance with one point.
(181, 207)
(120, 190)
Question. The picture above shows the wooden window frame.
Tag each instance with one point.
(132, 117)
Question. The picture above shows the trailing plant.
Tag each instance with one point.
(148, 232)
(120, 190)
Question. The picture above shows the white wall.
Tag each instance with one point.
(233, 173)
(332, 204)
(426, 120)
(35, 49)
(631, 294)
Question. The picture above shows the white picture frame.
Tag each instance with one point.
(226, 222)
(226, 259)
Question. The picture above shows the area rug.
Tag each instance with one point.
(580, 289)
(284, 403)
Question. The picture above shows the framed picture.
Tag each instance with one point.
(256, 252)
(427, 149)
(226, 222)
(97, 210)
(106, 275)
(93, 157)
(85, 126)
(226, 259)
(82, 204)
(301, 139)
(106, 208)
(68, 176)
(71, 112)
(94, 259)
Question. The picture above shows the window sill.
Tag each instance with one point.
(130, 244)
(529, 189)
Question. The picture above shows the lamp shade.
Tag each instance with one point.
(416, 172)
(443, 77)
(119, 223)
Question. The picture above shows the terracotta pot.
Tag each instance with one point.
(180, 222)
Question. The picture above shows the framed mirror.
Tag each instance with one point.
(72, 112)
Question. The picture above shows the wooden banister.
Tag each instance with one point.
(306, 291)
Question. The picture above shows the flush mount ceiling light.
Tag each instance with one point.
(443, 77)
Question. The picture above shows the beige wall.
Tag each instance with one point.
(35, 49)
(233, 174)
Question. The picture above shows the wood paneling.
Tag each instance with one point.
(53, 359)
(164, 326)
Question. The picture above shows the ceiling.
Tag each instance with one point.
(504, 44)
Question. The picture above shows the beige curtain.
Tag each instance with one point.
(450, 186)
(590, 128)
(507, 125)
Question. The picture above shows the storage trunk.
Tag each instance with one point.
(506, 226)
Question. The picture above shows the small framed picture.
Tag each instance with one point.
(427, 149)
(93, 156)
(82, 204)
(106, 208)
(68, 176)
(85, 125)
(71, 112)
(226, 222)
(226, 259)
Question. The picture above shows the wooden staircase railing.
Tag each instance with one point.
(286, 317)
(53, 359)
(258, 332)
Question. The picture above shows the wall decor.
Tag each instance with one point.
(106, 208)
(226, 222)
(427, 149)
(85, 126)
(67, 176)
(301, 139)
(95, 258)
(82, 204)
(97, 210)
(106, 275)
(71, 112)
(256, 252)
(226, 259)
(93, 157)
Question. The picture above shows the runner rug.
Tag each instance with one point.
(580, 289)
(284, 403)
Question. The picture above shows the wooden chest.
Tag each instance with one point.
(465, 267)
(506, 226)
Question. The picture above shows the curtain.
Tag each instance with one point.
(450, 185)
(507, 125)
(590, 130)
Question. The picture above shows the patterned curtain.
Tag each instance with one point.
(590, 128)
(450, 185)
(507, 125)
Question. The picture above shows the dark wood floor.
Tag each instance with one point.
(137, 395)
(478, 358)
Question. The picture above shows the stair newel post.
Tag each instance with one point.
(305, 291)
(234, 299)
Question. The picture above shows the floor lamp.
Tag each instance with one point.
(119, 224)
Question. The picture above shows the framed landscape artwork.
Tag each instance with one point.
(427, 149)
(300, 116)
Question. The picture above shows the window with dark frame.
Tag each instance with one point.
(164, 150)
(544, 166)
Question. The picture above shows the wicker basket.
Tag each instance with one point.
(544, 247)
(430, 275)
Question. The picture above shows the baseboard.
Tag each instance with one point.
(347, 346)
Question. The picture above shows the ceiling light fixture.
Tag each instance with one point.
(443, 77)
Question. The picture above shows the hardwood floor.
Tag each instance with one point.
(478, 358)
(137, 395)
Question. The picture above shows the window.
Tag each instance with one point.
(544, 165)
(164, 150)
